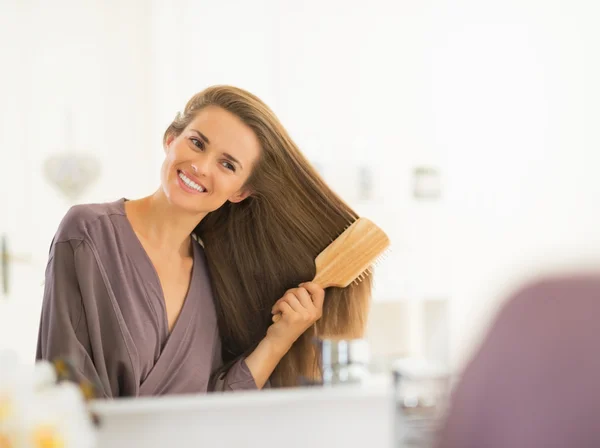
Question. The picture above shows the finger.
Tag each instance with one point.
(286, 309)
(316, 292)
(305, 298)
(294, 303)
(275, 308)
(289, 291)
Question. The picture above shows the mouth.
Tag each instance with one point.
(189, 183)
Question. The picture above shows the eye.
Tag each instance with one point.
(229, 166)
(197, 143)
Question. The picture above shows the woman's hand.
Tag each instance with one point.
(298, 309)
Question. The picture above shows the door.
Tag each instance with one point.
(21, 270)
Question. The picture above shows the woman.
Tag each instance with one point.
(175, 292)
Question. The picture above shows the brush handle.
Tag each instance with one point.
(321, 280)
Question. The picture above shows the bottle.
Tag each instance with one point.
(344, 361)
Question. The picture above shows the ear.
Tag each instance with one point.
(240, 195)
(168, 141)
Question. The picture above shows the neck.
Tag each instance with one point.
(163, 225)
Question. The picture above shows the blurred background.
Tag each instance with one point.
(467, 129)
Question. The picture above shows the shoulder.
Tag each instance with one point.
(546, 309)
(80, 220)
(554, 295)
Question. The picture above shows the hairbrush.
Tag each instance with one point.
(350, 257)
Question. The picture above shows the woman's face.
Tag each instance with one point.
(209, 162)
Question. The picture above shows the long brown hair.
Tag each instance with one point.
(266, 244)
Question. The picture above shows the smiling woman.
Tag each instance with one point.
(174, 292)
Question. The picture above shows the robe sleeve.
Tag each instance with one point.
(238, 377)
(70, 321)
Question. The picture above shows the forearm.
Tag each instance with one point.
(263, 360)
(300, 308)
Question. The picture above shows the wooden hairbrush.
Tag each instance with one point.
(350, 257)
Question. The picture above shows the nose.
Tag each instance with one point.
(201, 165)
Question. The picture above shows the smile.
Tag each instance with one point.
(190, 183)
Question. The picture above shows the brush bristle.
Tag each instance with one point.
(369, 270)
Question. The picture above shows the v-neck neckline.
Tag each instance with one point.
(183, 313)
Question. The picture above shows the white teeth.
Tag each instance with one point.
(190, 183)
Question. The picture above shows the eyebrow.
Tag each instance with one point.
(233, 159)
(202, 136)
(228, 156)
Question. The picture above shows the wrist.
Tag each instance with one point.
(264, 359)
(275, 346)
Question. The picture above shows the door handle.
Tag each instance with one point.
(4, 265)
(5, 260)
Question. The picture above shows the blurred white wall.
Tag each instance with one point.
(516, 103)
(500, 96)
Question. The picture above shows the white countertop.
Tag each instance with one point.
(348, 416)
